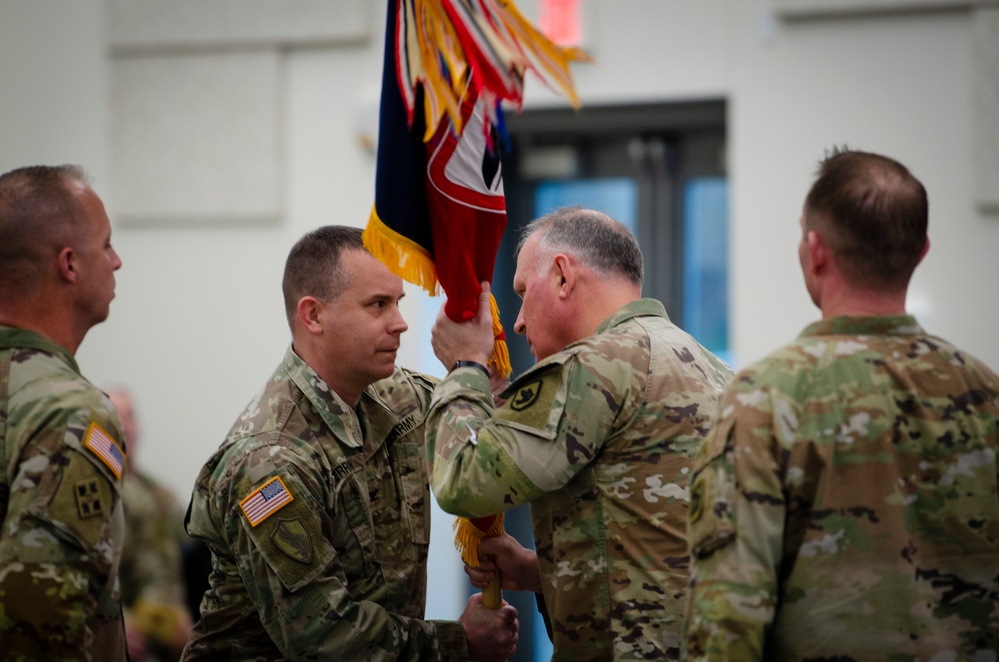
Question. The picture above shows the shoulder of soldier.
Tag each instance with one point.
(247, 461)
(404, 389)
(968, 362)
(46, 394)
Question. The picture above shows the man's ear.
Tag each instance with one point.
(307, 311)
(926, 249)
(819, 253)
(565, 272)
(66, 263)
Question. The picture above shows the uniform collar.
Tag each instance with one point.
(890, 325)
(345, 422)
(636, 308)
(339, 417)
(11, 337)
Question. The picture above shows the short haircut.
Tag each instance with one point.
(597, 240)
(873, 214)
(40, 214)
(314, 267)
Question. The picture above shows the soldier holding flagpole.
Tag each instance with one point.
(598, 437)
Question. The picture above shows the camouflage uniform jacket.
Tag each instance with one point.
(60, 507)
(845, 506)
(318, 518)
(599, 438)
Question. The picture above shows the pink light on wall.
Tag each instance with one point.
(561, 21)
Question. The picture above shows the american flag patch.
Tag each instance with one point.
(266, 500)
(106, 448)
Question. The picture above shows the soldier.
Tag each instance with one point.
(597, 436)
(157, 622)
(845, 506)
(316, 508)
(61, 520)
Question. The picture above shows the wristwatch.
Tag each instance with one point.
(470, 364)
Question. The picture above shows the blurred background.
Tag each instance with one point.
(219, 131)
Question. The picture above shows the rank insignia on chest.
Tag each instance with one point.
(266, 500)
(101, 444)
(526, 396)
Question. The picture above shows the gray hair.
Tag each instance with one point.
(597, 240)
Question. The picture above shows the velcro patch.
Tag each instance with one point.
(292, 538)
(266, 500)
(103, 445)
(535, 403)
(88, 498)
(526, 395)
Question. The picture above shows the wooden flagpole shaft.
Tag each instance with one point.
(492, 596)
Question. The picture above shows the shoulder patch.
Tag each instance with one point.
(292, 538)
(526, 395)
(89, 500)
(103, 445)
(535, 404)
(266, 500)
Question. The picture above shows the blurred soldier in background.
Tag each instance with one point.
(157, 622)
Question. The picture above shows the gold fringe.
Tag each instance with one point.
(403, 256)
(501, 353)
(515, 41)
(468, 536)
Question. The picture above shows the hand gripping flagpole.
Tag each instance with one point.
(470, 532)
(437, 221)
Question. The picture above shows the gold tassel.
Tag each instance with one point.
(468, 536)
(403, 256)
(467, 540)
(501, 353)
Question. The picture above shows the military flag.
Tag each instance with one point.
(440, 210)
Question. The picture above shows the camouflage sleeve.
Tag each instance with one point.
(61, 538)
(735, 533)
(284, 537)
(553, 421)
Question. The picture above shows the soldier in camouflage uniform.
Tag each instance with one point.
(316, 508)
(63, 453)
(598, 437)
(157, 622)
(845, 507)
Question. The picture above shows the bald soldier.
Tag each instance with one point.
(63, 452)
(598, 437)
(845, 506)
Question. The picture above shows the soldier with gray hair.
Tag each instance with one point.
(598, 437)
(317, 506)
(846, 505)
(61, 443)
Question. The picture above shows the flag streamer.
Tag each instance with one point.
(440, 211)
(450, 67)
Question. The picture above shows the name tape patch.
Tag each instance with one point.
(266, 500)
(106, 448)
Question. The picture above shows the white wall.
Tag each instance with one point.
(197, 324)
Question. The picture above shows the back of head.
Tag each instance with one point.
(594, 238)
(873, 214)
(314, 268)
(39, 215)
